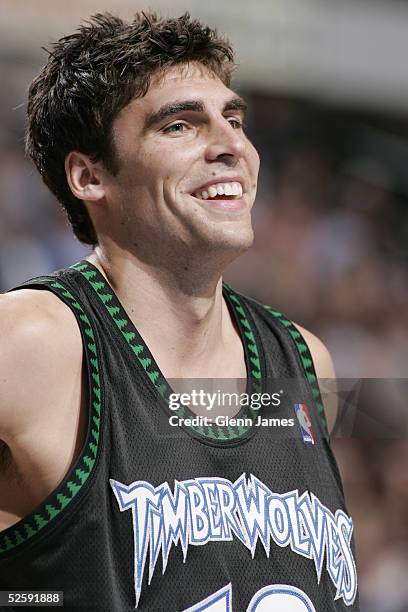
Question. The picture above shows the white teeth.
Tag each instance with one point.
(237, 189)
(228, 189)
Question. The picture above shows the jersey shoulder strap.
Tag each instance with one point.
(285, 328)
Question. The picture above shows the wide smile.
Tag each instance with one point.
(225, 195)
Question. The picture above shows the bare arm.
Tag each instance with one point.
(40, 348)
(40, 398)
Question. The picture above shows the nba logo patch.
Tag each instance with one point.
(305, 423)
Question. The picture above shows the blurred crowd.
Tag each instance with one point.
(331, 253)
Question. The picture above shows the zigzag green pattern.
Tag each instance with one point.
(102, 290)
(104, 293)
(12, 537)
(306, 360)
(255, 374)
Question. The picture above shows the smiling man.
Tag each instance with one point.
(134, 127)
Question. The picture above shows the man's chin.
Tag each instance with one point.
(230, 241)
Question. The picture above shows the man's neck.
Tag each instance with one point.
(187, 326)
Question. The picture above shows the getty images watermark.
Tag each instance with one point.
(203, 400)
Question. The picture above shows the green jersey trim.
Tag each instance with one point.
(60, 499)
(305, 359)
(129, 333)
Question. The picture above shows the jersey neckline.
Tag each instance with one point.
(155, 379)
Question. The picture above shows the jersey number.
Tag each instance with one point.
(275, 597)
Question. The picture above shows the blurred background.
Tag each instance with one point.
(327, 85)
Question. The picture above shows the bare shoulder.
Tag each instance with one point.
(325, 372)
(40, 348)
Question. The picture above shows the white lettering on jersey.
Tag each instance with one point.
(205, 510)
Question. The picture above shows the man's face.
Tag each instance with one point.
(177, 147)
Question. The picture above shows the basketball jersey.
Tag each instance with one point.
(225, 516)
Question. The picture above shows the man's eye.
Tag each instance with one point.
(236, 124)
(175, 128)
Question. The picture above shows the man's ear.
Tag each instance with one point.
(84, 177)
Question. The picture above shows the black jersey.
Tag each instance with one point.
(202, 516)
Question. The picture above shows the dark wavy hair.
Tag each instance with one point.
(94, 73)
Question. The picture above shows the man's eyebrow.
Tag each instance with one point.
(173, 108)
(236, 103)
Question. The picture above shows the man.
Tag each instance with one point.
(134, 127)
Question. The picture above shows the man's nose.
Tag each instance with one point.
(225, 143)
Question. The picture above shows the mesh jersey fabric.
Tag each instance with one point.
(151, 519)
